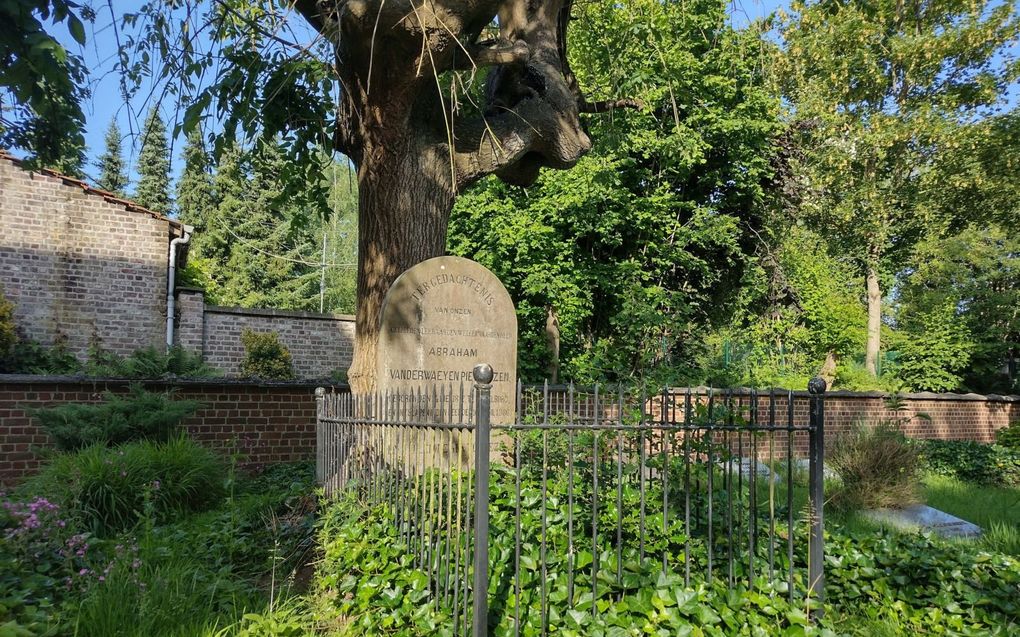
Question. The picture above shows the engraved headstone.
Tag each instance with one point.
(441, 318)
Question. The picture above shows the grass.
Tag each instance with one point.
(994, 509)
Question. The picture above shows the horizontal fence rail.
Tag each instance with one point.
(589, 496)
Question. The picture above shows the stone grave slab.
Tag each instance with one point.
(921, 517)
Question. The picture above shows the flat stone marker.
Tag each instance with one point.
(440, 319)
(921, 517)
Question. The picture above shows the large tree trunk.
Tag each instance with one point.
(874, 342)
(405, 199)
(415, 148)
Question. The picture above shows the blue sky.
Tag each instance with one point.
(106, 102)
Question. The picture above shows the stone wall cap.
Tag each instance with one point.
(780, 391)
(34, 379)
(260, 311)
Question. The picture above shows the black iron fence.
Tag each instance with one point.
(590, 496)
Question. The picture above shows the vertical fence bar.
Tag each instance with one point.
(816, 489)
(483, 383)
(320, 437)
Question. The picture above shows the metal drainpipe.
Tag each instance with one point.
(171, 274)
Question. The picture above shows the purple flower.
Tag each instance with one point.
(155, 485)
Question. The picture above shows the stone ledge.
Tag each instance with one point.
(780, 393)
(249, 311)
(31, 379)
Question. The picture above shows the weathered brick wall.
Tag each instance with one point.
(189, 330)
(266, 422)
(946, 416)
(318, 343)
(275, 422)
(81, 266)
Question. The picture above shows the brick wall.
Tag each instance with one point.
(318, 343)
(275, 422)
(947, 416)
(272, 422)
(79, 264)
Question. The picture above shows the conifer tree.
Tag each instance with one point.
(154, 166)
(112, 171)
(195, 202)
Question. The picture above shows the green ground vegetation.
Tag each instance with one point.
(255, 555)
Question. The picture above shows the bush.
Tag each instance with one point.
(42, 561)
(139, 415)
(1009, 436)
(972, 461)
(109, 488)
(31, 357)
(148, 363)
(8, 333)
(265, 356)
(877, 466)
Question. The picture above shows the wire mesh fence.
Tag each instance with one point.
(591, 495)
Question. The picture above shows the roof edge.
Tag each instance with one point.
(89, 189)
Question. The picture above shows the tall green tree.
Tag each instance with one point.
(153, 190)
(42, 84)
(641, 247)
(112, 169)
(959, 311)
(195, 197)
(890, 88)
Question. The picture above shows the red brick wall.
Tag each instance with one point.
(949, 416)
(275, 422)
(268, 422)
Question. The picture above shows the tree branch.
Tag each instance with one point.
(491, 53)
(605, 106)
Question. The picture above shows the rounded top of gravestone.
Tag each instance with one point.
(441, 320)
(483, 373)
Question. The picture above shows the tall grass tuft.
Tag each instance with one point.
(106, 487)
(877, 466)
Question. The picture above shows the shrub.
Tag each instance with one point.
(972, 461)
(31, 357)
(1009, 436)
(42, 560)
(108, 488)
(265, 356)
(149, 363)
(139, 415)
(8, 333)
(877, 466)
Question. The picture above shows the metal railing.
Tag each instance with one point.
(590, 494)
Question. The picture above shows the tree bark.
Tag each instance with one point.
(414, 150)
(405, 199)
(874, 342)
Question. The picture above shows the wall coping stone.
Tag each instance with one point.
(33, 379)
(29, 379)
(863, 395)
(251, 311)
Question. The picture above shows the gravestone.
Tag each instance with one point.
(439, 319)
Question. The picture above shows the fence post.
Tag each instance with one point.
(320, 438)
(816, 493)
(483, 384)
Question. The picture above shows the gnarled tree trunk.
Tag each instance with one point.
(414, 150)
